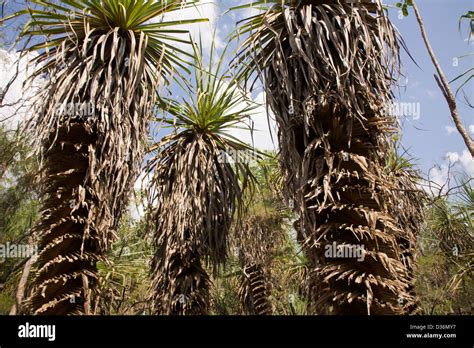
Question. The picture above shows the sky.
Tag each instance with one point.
(432, 139)
(428, 133)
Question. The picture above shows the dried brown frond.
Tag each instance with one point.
(329, 70)
(196, 192)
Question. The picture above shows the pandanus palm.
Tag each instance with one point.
(103, 60)
(328, 68)
(259, 237)
(196, 191)
(256, 239)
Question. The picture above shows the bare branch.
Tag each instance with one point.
(444, 86)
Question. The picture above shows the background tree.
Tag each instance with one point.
(196, 191)
(124, 280)
(445, 273)
(440, 77)
(18, 208)
(265, 273)
(260, 236)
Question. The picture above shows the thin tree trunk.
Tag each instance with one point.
(20, 293)
(444, 86)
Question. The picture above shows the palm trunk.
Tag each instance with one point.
(253, 292)
(195, 197)
(347, 202)
(329, 85)
(90, 163)
(69, 248)
(180, 284)
(256, 240)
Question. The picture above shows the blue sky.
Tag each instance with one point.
(427, 138)
(430, 138)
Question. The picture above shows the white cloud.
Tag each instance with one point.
(467, 163)
(136, 207)
(452, 157)
(439, 174)
(433, 94)
(450, 129)
(469, 39)
(205, 9)
(454, 163)
(412, 83)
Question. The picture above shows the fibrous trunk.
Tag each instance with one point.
(256, 239)
(253, 291)
(194, 201)
(69, 246)
(91, 119)
(180, 284)
(329, 85)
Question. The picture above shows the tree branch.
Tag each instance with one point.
(444, 86)
(20, 293)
